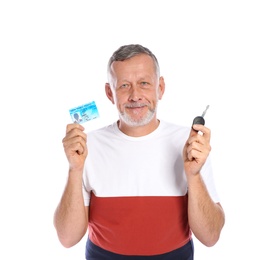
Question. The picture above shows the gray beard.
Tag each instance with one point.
(139, 122)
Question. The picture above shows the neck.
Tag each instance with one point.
(137, 131)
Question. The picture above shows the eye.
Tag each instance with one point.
(144, 84)
(123, 86)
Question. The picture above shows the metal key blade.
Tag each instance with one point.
(200, 119)
(204, 112)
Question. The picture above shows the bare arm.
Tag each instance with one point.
(206, 218)
(71, 216)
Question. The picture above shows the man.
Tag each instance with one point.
(141, 186)
(76, 118)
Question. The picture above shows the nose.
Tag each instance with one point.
(135, 94)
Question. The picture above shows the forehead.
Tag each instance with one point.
(138, 63)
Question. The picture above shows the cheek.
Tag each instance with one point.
(119, 100)
(120, 97)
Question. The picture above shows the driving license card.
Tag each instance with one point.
(84, 113)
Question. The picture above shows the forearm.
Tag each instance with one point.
(206, 218)
(70, 218)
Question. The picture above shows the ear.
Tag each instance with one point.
(161, 87)
(109, 92)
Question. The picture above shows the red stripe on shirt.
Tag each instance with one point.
(139, 225)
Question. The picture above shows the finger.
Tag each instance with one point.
(191, 151)
(197, 156)
(196, 152)
(70, 127)
(197, 139)
(75, 141)
(74, 136)
(201, 130)
(197, 148)
(73, 131)
(75, 146)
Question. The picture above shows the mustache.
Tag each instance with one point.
(133, 105)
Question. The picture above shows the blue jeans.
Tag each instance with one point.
(94, 252)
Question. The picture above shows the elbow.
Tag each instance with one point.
(208, 240)
(67, 242)
(211, 241)
(217, 229)
(213, 237)
(69, 239)
(67, 236)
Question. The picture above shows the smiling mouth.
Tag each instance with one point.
(132, 106)
(136, 109)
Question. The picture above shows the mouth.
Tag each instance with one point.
(135, 105)
(136, 108)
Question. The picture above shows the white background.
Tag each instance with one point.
(53, 56)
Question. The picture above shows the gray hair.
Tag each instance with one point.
(128, 51)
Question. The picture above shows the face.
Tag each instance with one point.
(135, 88)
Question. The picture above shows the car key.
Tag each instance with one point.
(200, 119)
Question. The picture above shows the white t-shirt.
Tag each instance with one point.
(118, 165)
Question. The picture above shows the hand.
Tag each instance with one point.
(196, 149)
(75, 147)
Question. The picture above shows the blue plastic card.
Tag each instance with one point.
(84, 113)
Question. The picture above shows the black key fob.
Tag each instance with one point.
(199, 120)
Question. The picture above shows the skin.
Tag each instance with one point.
(135, 83)
(71, 216)
(136, 89)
